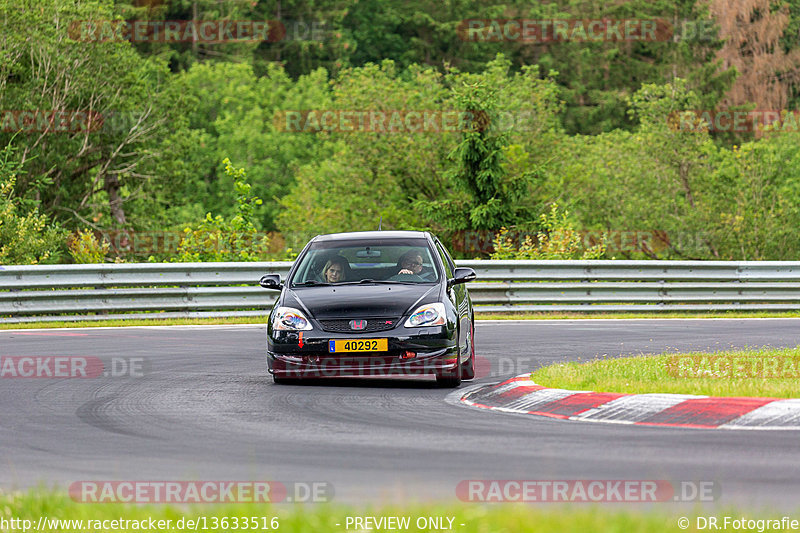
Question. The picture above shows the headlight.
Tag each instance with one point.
(427, 315)
(290, 319)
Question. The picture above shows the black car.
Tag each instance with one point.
(376, 303)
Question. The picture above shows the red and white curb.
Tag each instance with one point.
(523, 396)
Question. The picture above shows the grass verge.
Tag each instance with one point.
(758, 372)
(33, 504)
(671, 314)
(492, 316)
(137, 322)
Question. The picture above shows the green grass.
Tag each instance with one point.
(494, 316)
(671, 314)
(478, 518)
(764, 372)
(137, 322)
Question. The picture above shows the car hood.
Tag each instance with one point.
(359, 301)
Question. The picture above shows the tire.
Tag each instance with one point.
(468, 367)
(451, 378)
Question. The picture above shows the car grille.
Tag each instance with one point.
(373, 324)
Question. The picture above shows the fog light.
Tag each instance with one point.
(408, 355)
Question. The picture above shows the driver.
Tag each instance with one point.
(411, 263)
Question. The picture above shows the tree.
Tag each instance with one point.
(218, 239)
(769, 75)
(372, 173)
(228, 111)
(654, 182)
(489, 190)
(426, 32)
(478, 171)
(597, 76)
(756, 215)
(95, 164)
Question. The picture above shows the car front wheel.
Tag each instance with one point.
(450, 378)
(468, 366)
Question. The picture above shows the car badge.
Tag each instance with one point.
(358, 324)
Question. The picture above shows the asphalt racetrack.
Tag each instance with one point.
(204, 408)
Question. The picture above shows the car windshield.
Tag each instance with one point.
(366, 261)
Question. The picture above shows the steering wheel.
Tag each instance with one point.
(406, 277)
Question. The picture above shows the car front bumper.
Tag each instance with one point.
(411, 351)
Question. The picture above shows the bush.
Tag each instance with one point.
(84, 248)
(557, 239)
(217, 239)
(26, 238)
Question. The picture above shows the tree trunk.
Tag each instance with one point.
(111, 185)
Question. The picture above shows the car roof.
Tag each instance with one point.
(372, 235)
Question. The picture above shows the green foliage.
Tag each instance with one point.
(423, 32)
(478, 168)
(85, 248)
(701, 201)
(26, 237)
(597, 77)
(82, 171)
(371, 175)
(494, 179)
(304, 35)
(557, 239)
(408, 178)
(172, 111)
(755, 213)
(218, 239)
(228, 111)
(653, 180)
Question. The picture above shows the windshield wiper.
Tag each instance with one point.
(309, 283)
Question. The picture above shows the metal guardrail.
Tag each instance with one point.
(170, 290)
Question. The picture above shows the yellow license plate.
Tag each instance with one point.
(360, 345)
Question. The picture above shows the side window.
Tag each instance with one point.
(448, 263)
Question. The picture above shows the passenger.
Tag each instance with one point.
(335, 270)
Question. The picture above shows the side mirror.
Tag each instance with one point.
(462, 275)
(271, 281)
